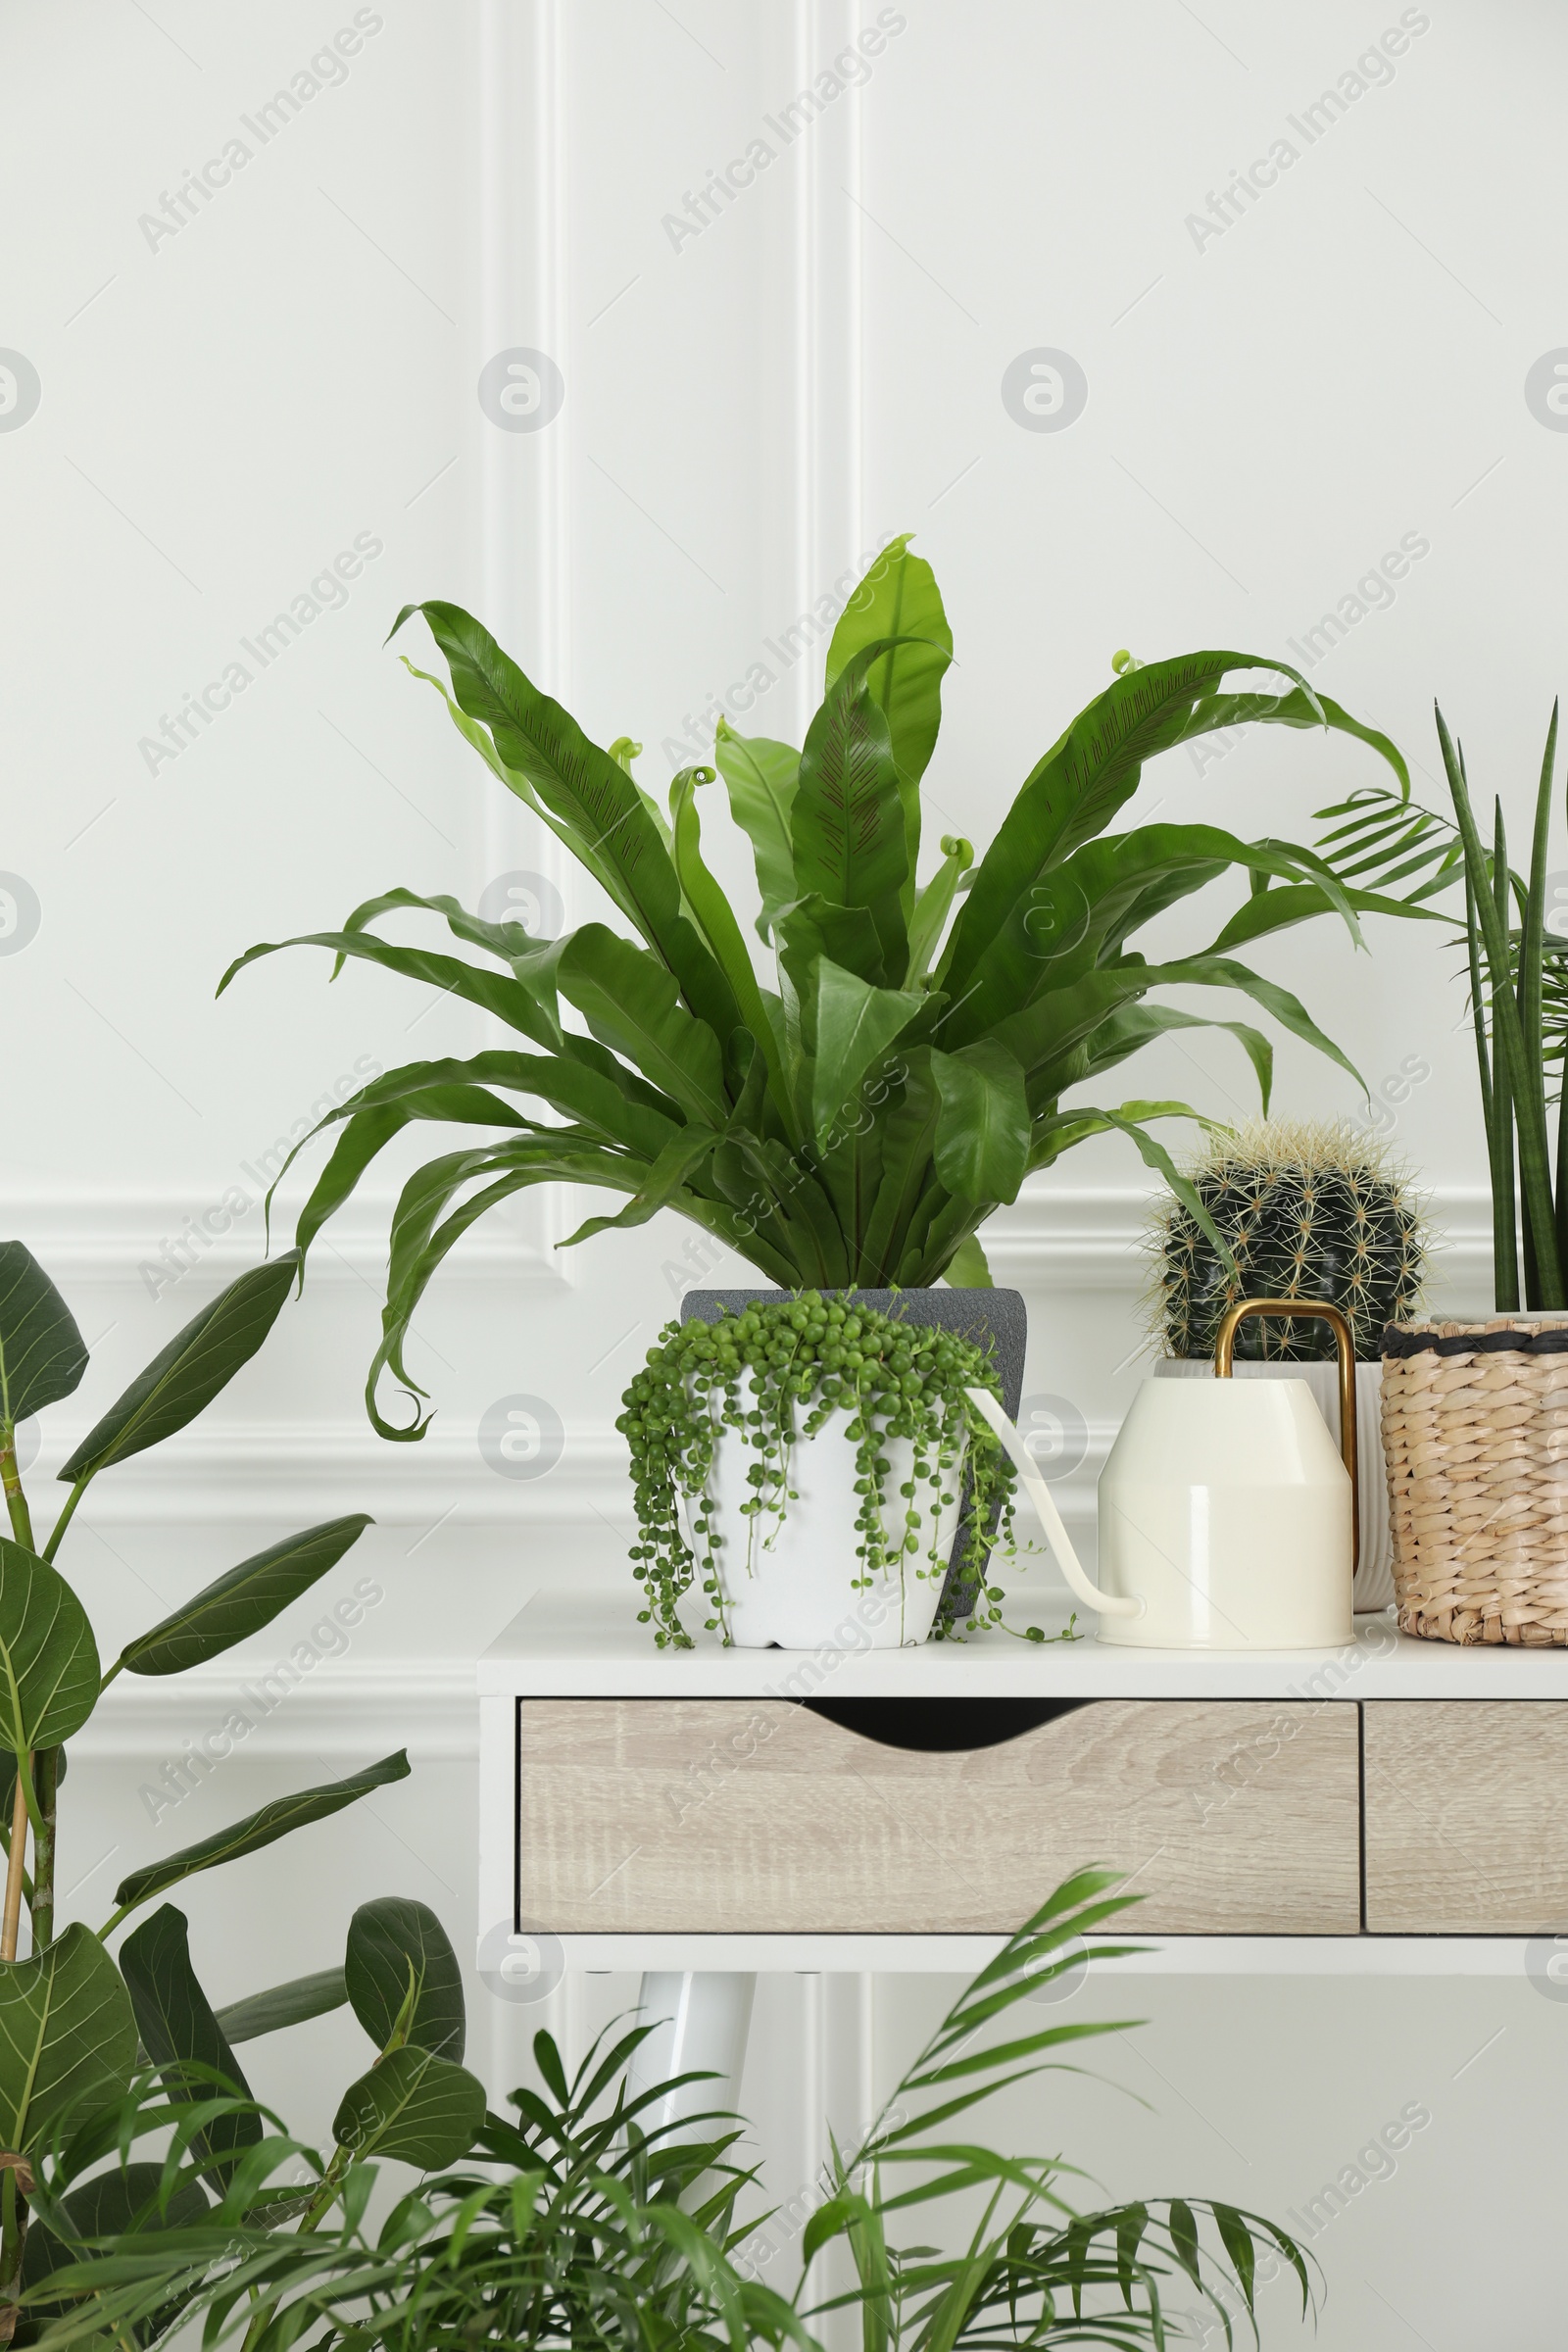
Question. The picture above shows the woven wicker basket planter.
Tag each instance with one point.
(1474, 1434)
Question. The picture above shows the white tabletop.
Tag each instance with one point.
(564, 1647)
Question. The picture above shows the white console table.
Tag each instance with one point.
(1395, 1807)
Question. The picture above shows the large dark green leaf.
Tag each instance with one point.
(854, 1027)
(760, 777)
(631, 1004)
(493, 991)
(847, 823)
(1089, 773)
(419, 2108)
(68, 2038)
(390, 1941)
(241, 1602)
(592, 802)
(176, 2024)
(49, 1666)
(899, 600)
(123, 2202)
(283, 2005)
(184, 1377)
(268, 1823)
(982, 1138)
(42, 1353)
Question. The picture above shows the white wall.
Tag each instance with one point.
(226, 409)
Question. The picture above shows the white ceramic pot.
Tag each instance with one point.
(1374, 1576)
(797, 1582)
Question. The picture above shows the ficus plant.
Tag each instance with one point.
(850, 1113)
(77, 2024)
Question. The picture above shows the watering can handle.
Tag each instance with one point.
(1109, 1605)
(1344, 1348)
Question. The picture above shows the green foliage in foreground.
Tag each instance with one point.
(852, 1114)
(580, 2226)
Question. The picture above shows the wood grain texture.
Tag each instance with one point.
(1466, 1829)
(666, 1815)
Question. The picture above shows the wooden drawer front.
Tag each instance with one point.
(1466, 1817)
(756, 1816)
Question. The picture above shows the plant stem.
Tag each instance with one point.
(11, 1479)
(64, 1520)
(46, 1782)
(11, 1918)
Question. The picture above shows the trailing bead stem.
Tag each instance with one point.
(773, 1376)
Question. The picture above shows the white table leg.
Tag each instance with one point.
(701, 2018)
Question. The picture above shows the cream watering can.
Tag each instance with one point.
(1227, 1519)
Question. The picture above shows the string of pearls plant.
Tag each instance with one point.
(773, 1375)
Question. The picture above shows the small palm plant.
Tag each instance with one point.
(586, 2227)
(854, 1115)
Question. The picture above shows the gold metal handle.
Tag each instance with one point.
(1308, 1312)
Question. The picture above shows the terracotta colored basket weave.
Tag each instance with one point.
(1475, 1432)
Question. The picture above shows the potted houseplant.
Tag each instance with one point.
(806, 1459)
(1470, 1410)
(587, 2222)
(851, 1120)
(1309, 1212)
(76, 2023)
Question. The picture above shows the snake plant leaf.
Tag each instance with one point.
(854, 1027)
(241, 1602)
(900, 604)
(415, 2106)
(42, 1353)
(283, 2005)
(184, 1377)
(176, 2025)
(68, 2038)
(847, 823)
(262, 1828)
(49, 1669)
(761, 776)
(982, 1139)
(389, 1939)
(633, 1005)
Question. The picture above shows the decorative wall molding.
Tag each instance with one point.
(353, 1708)
(299, 1471)
(156, 1240)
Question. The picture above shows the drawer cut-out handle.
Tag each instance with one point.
(943, 1725)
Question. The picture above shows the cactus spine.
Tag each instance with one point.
(1308, 1213)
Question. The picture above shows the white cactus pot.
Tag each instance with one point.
(797, 1582)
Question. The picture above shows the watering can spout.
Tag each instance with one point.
(1109, 1605)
